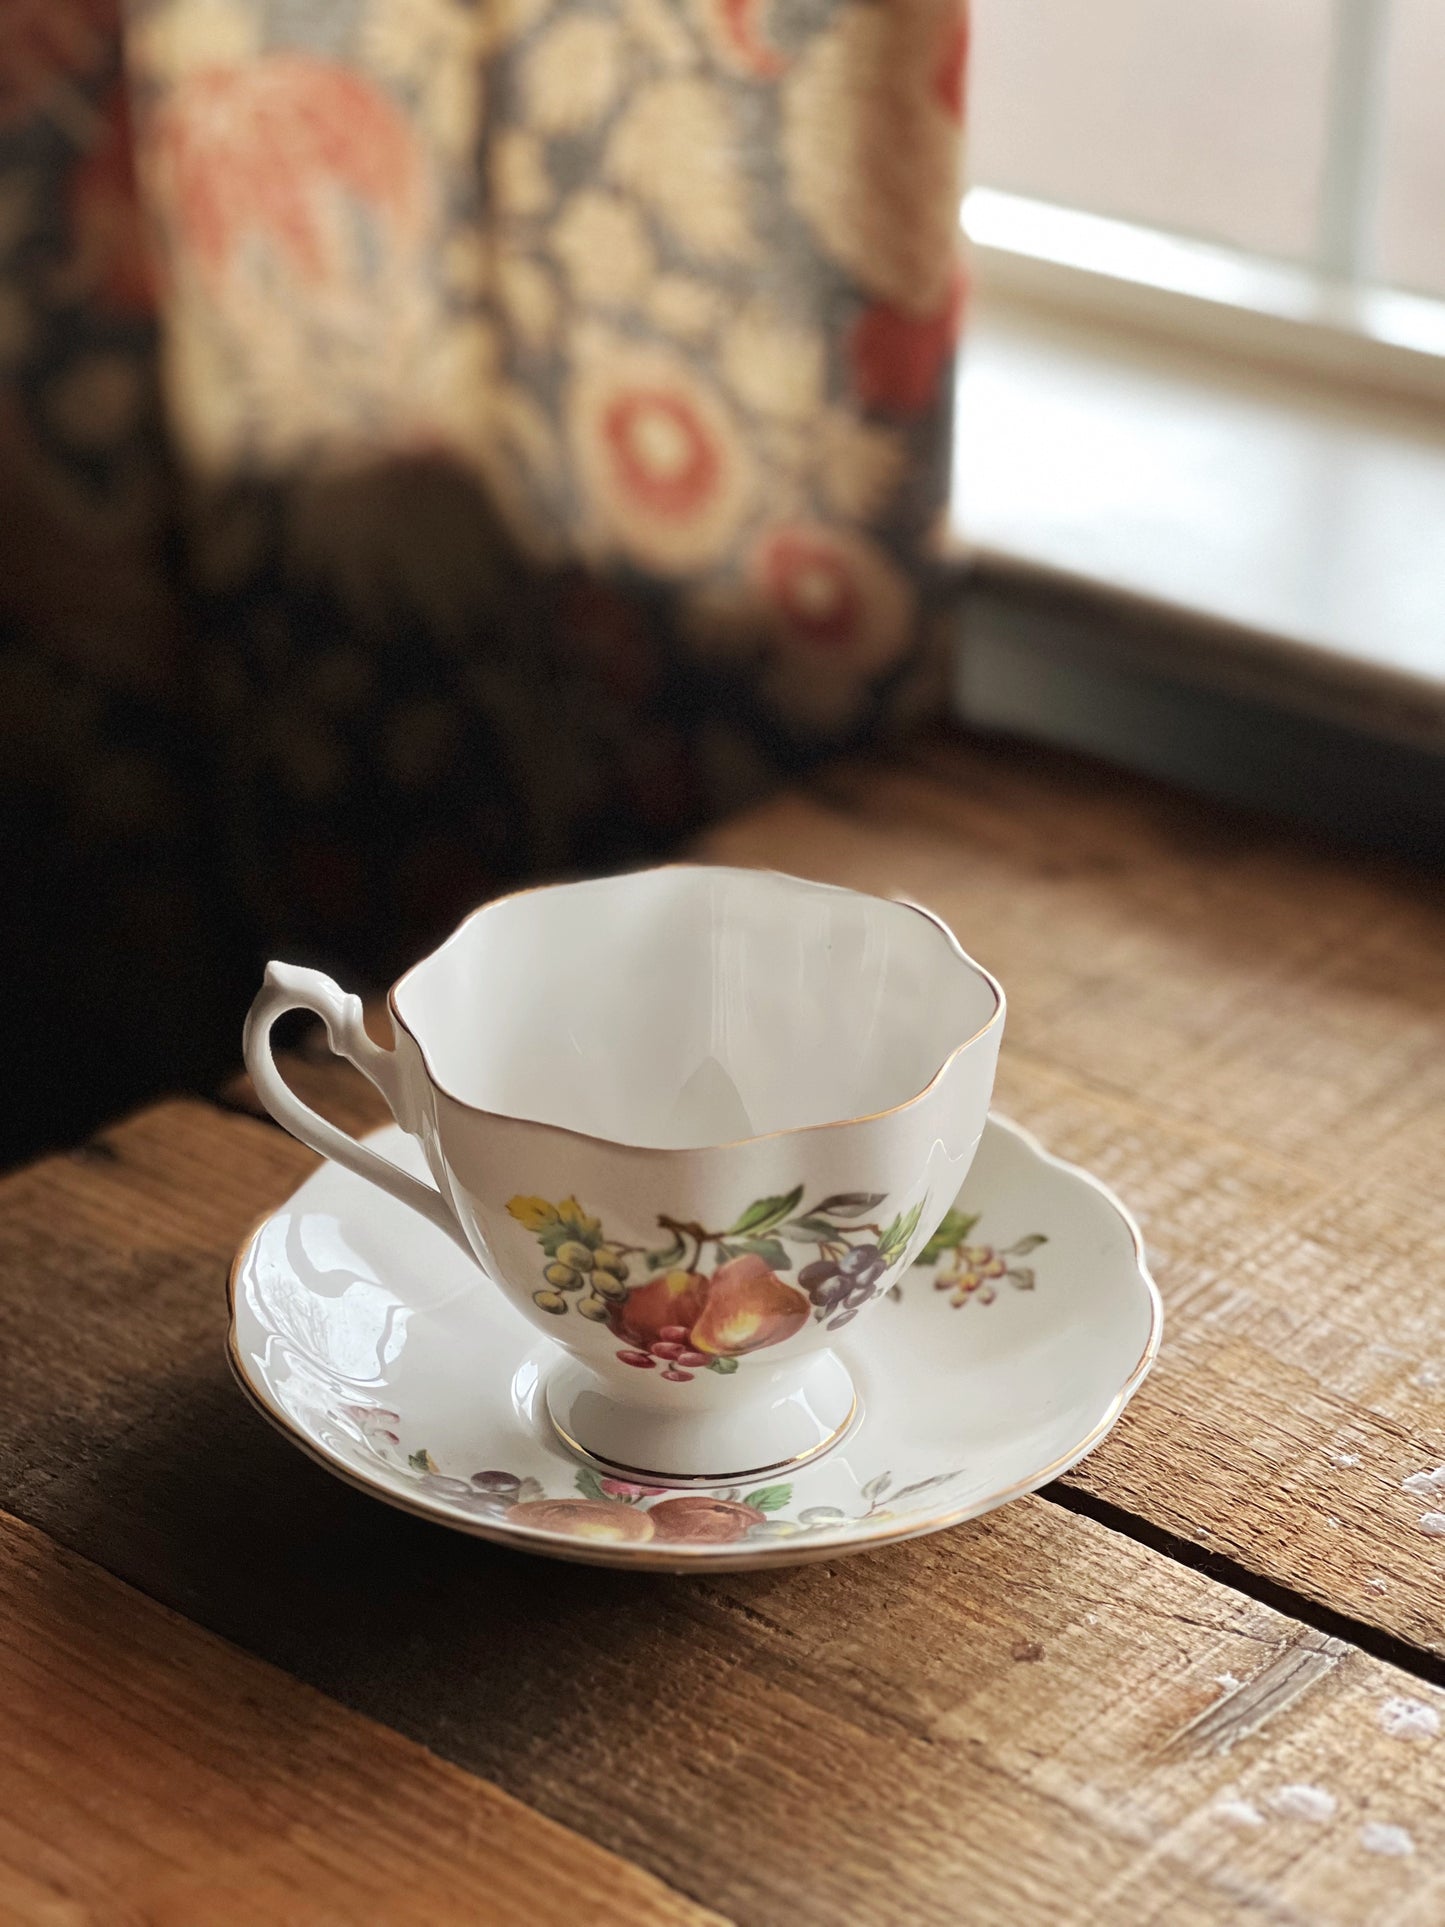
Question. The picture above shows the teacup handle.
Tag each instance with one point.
(290, 987)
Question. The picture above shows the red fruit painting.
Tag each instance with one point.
(676, 1319)
(672, 1298)
(695, 1519)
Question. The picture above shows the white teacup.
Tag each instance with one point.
(694, 1122)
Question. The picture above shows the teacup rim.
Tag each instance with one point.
(995, 1021)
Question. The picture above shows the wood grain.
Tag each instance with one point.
(1245, 1034)
(151, 1773)
(999, 1724)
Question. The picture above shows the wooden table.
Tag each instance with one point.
(1199, 1680)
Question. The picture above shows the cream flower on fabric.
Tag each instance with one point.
(666, 472)
(434, 49)
(655, 27)
(677, 150)
(859, 465)
(773, 365)
(602, 244)
(503, 22)
(871, 141)
(571, 76)
(684, 307)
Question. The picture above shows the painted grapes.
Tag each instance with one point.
(970, 1272)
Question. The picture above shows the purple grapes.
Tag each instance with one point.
(845, 1284)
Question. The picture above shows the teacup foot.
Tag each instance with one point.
(797, 1413)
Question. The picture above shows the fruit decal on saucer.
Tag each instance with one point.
(618, 1512)
(706, 1298)
(971, 1272)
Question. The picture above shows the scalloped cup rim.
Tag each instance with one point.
(626, 1145)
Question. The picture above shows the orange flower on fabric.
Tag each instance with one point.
(897, 359)
(738, 33)
(838, 611)
(667, 475)
(950, 77)
(272, 150)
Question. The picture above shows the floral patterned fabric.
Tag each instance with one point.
(553, 426)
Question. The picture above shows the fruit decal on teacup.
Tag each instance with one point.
(969, 1272)
(707, 1298)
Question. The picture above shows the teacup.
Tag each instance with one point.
(695, 1122)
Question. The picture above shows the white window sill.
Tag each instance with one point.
(1260, 532)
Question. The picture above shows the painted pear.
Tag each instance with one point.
(748, 1306)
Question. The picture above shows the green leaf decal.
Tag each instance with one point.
(724, 1365)
(668, 1256)
(1025, 1245)
(875, 1488)
(852, 1204)
(807, 1231)
(954, 1229)
(770, 1251)
(770, 1498)
(763, 1214)
(896, 1237)
(589, 1485)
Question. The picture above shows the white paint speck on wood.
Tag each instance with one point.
(1425, 1485)
(1244, 1813)
(1432, 1524)
(1407, 1719)
(1303, 1802)
(1377, 1837)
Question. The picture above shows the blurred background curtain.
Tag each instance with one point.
(439, 444)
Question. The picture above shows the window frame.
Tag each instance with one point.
(1326, 316)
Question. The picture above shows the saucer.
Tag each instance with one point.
(1002, 1357)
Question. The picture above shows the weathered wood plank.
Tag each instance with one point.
(150, 1772)
(1002, 1723)
(1245, 1035)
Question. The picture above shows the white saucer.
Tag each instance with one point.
(364, 1334)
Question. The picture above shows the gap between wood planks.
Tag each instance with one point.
(1184, 1552)
(1239, 1578)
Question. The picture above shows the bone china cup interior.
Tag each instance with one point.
(694, 1122)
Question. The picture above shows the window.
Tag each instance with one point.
(1271, 167)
